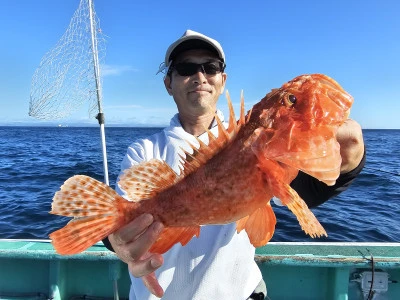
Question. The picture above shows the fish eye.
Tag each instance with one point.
(292, 99)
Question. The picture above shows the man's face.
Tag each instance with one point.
(196, 94)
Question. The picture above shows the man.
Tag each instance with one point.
(220, 263)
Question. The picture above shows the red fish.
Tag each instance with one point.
(232, 179)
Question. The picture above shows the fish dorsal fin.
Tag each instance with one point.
(201, 155)
(147, 179)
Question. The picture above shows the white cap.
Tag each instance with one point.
(191, 40)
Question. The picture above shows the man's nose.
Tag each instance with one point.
(200, 76)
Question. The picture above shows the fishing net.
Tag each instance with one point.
(69, 73)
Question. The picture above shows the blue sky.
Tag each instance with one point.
(266, 43)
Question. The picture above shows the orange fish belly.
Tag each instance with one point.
(220, 192)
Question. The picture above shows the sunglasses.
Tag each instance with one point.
(189, 69)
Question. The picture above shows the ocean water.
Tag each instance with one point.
(35, 161)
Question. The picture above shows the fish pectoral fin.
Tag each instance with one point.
(173, 235)
(278, 177)
(307, 220)
(147, 179)
(260, 225)
(299, 208)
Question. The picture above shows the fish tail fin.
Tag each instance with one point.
(80, 234)
(97, 212)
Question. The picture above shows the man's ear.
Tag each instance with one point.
(224, 76)
(167, 84)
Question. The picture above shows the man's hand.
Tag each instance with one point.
(132, 242)
(350, 138)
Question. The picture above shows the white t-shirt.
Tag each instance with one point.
(219, 264)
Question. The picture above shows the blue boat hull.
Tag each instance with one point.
(33, 270)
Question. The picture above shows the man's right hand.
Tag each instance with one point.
(132, 242)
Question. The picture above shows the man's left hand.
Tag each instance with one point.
(350, 138)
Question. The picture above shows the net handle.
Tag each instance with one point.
(100, 116)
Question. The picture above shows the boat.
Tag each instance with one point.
(331, 271)
(31, 269)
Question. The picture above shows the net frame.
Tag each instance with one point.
(69, 74)
(65, 78)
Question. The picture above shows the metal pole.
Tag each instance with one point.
(100, 116)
